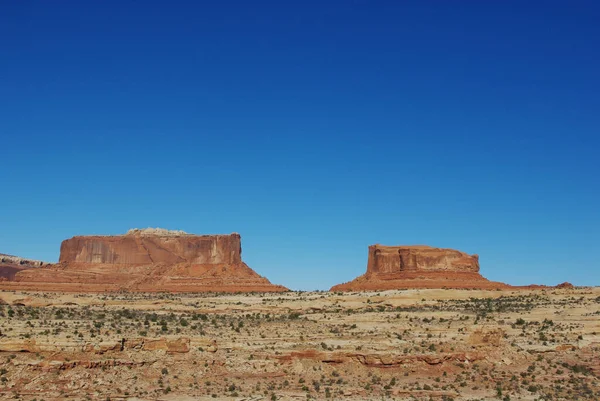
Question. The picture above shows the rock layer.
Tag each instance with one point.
(18, 261)
(142, 261)
(418, 266)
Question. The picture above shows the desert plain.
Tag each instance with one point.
(417, 344)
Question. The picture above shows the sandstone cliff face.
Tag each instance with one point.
(147, 261)
(134, 249)
(397, 259)
(418, 266)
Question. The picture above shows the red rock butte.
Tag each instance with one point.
(419, 266)
(147, 260)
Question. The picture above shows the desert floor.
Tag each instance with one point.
(403, 345)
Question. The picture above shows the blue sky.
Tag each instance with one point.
(312, 128)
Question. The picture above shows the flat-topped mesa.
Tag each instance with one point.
(397, 259)
(418, 266)
(137, 248)
(147, 260)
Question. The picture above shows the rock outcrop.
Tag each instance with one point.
(18, 261)
(398, 259)
(142, 249)
(10, 265)
(418, 266)
(147, 260)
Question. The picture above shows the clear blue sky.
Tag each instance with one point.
(312, 128)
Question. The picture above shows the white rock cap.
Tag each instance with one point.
(155, 231)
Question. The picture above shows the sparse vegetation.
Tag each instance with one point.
(244, 346)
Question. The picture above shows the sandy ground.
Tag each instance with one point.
(414, 344)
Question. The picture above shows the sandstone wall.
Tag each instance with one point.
(418, 266)
(398, 259)
(144, 250)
